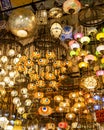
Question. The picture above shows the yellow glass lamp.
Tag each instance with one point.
(73, 95)
(100, 36)
(79, 105)
(70, 116)
(59, 109)
(18, 122)
(58, 98)
(55, 12)
(16, 127)
(50, 126)
(64, 104)
(22, 22)
(102, 60)
(83, 65)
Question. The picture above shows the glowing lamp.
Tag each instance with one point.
(78, 36)
(100, 48)
(102, 99)
(45, 101)
(73, 53)
(90, 58)
(58, 98)
(71, 6)
(17, 127)
(66, 33)
(8, 127)
(21, 110)
(85, 40)
(28, 102)
(92, 31)
(59, 109)
(100, 73)
(100, 36)
(45, 110)
(55, 12)
(62, 124)
(39, 95)
(18, 122)
(70, 116)
(97, 107)
(97, 97)
(50, 126)
(74, 44)
(83, 65)
(90, 82)
(22, 22)
(56, 30)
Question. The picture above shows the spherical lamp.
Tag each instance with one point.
(22, 22)
(71, 6)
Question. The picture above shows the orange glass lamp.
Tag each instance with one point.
(45, 110)
(58, 98)
(38, 95)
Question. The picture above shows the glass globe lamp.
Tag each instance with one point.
(56, 30)
(71, 6)
(21, 110)
(11, 52)
(4, 59)
(22, 22)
